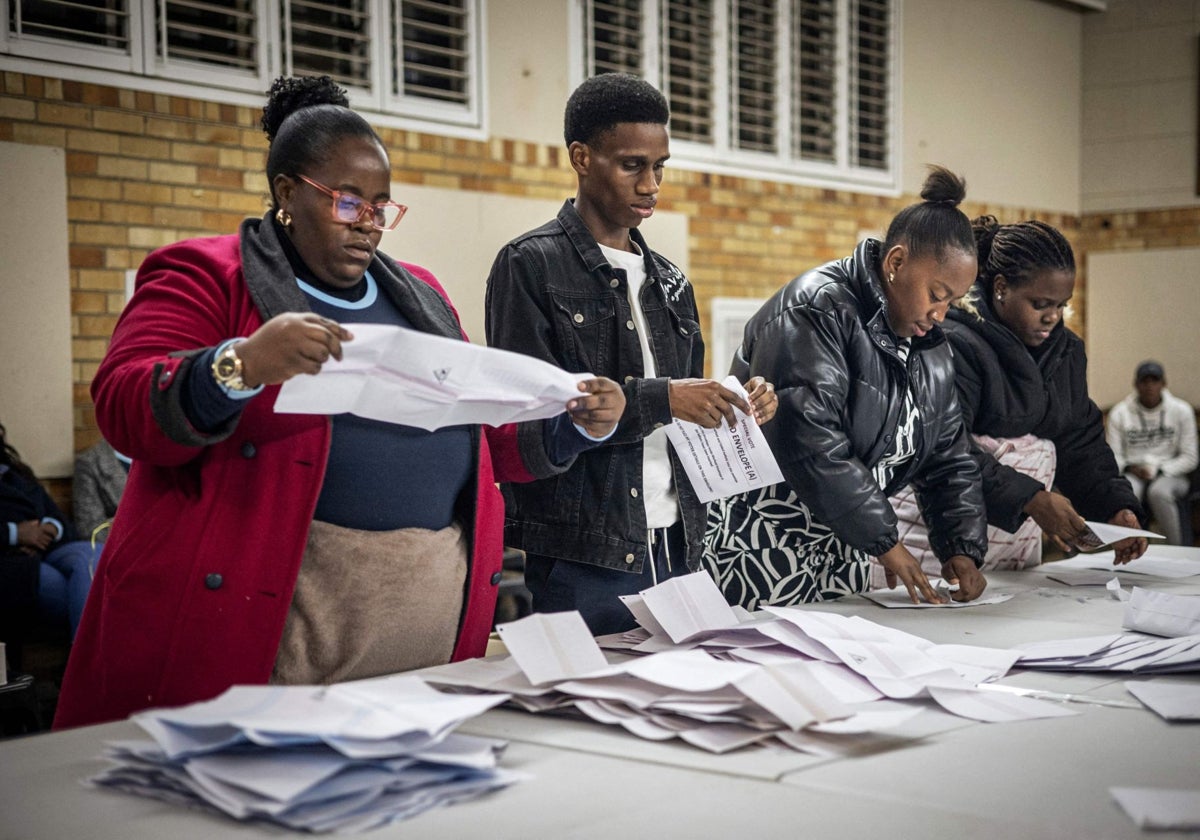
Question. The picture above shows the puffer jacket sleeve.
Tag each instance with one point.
(949, 488)
(802, 350)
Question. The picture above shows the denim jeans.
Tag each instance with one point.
(64, 580)
(561, 585)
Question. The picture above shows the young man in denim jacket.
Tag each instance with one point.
(586, 293)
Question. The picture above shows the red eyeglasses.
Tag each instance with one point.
(349, 209)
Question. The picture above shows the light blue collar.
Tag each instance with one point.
(362, 303)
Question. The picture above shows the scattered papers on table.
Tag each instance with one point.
(898, 599)
(1165, 561)
(719, 678)
(1161, 613)
(1160, 808)
(1079, 577)
(1100, 534)
(346, 758)
(399, 375)
(1167, 698)
(1128, 652)
(725, 461)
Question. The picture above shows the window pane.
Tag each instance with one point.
(688, 67)
(221, 32)
(870, 44)
(434, 41)
(330, 39)
(101, 23)
(814, 79)
(752, 58)
(615, 45)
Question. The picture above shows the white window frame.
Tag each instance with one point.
(721, 156)
(142, 70)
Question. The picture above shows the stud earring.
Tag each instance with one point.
(284, 218)
(892, 277)
(1000, 296)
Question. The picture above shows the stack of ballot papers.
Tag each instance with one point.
(719, 678)
(346, 758)
(1129, 652)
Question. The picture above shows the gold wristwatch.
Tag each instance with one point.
(227, 370)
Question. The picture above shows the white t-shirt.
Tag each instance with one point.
(657, 491)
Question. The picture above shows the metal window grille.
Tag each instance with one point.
(329, 39)
(214, 32)
(100, 23)
(687, 30)
(433, 39)
(614, 37)
(870, 44)
(752, 68)
(814, 79)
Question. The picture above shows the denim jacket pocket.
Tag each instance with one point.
(585, 329)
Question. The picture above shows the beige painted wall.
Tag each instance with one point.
(35, 309)
(460, 254)
(1141, 79)
(528, 69)
(992, 90)
(1143, 305)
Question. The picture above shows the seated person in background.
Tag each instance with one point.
(867, 405)
(1153, 436)
(1020, 372)
(96, 487)
(39, 546)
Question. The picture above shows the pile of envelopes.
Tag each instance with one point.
(1129, 652)
(719, 678)
(346, 758)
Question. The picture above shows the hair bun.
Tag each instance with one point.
(943, 187)
(288, 94)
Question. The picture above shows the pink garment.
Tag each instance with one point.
(1027, 454)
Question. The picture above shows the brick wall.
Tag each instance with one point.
(144, 170)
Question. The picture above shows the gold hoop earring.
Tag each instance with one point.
(284, 218)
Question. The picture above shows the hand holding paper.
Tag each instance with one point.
(403, 376)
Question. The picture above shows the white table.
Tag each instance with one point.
(1034, 779)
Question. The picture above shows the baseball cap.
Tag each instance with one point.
(1149, 369)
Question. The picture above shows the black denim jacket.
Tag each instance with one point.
(552, 294)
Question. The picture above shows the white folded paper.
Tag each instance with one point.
(1161, 613)
(1100, 534)
(412, 378)
(1160, 808)
(725, 461)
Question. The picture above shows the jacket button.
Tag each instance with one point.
(578, 318)
(683, 330)
(633, 492)
(613, 283)
(164, 378)
(628, 559)
(628, 379)
(887, 438)
(212, 580)
(495, 578)
(658, 425)
(629, 325)
(248, 450)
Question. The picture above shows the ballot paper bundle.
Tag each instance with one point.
(345, 758)
(720, 679)
(1128, 652)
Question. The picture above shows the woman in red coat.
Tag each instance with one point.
(252, 546)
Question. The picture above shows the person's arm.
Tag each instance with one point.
(86, 497)
(1185, 460)
(1114, 435)
(802, 352)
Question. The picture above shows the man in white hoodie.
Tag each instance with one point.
(1153, 435)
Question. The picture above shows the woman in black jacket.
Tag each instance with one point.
(866, 405)
(1020, 371)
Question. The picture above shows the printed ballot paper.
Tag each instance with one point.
(404, 376)
(725, 461)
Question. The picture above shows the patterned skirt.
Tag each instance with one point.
(764, 548)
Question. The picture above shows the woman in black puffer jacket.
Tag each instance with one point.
(866, 405)
(1020, 371)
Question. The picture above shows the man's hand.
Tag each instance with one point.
(599, 411)
(704, 402)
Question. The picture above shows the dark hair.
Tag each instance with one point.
(936, 224)
(1018, 251)
(9, 456)
(304, 118)
(603, 101)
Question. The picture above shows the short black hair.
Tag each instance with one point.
(935, 224)
(304, 118)
(602, 102)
